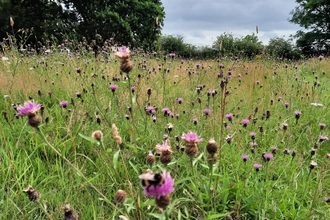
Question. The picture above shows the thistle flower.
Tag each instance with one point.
(179, 100)
(32, 194)
(159, 190)
(267, 157)
(113, 87)
(64, 104)
(321, 57)
(245, 122)
(297, 114)
(28, 109)
(253, 135)
(229, 117)
(257, 166)
(207, 112)
(245, 157)
(322, 126)
(123, 53)
(191, 138)
(166, 152)
(323, 138)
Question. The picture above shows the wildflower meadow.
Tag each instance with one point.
(135, 135)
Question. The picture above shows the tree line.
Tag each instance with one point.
(138, 23)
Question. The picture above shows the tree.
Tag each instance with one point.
(128, 22)
(247, 46)
(137, 23)
(312, 15)
(280, 48)
(33, 20)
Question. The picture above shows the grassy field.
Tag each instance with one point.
(268, 117)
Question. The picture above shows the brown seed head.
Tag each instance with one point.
(163, 201)
(97, 135)
(166, 157)
(212, 146)
(191, 150)
(34, 121)
(120, 196)
(69, 214)
(32, 194)
(126, 65)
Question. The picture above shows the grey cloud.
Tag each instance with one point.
(184, 16)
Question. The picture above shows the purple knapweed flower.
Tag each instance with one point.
(321, 57)
(28, 109)
(253, 135)
(165, 146)
(274, 149)
(113, 87)
(166, 111)
(323, 138)
(159, 190)
(230, 72)
(221, 66)
(257, 166)
(64, 104)
(150, 110)
(267, 156)
(133, 89)
(286, 105)
(322, 126)
(297, 114)
(207, 111)
(172, 55)
(197, 65)
(191, 138)
(245, 157)
(179, 100)
(229, 117)
(245, 122)
(123, 53)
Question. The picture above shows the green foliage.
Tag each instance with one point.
(313, 15)
(280, 48)
(247, 46)
(129, 22)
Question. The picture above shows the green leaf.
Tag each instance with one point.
(156, 215)
(134, 167)
(197, 159)
(216, 216)
(115, 159)
(90, 139)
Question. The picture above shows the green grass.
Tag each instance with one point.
(66, 166)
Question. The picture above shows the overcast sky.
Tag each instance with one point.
(201, 21)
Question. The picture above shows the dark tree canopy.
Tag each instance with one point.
(314, 16)
(129, 22)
